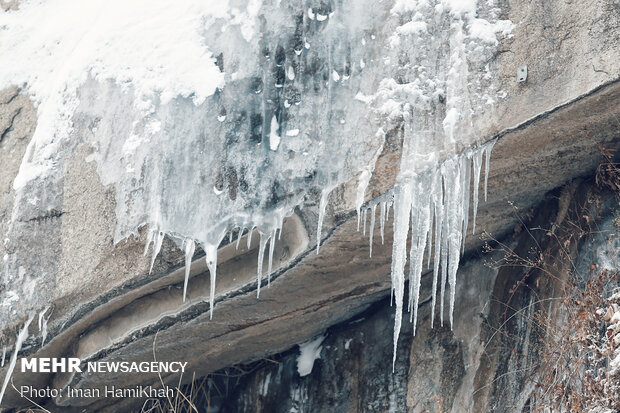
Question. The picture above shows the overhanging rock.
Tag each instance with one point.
(105, 306)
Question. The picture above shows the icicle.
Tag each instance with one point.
(280, 229)
(487, 158)
(363, 181)
(382, 220)
(423, 206)
(3, 356)
(429, 240)
(159, 238)
(272, 244)
(372, 225)
(190, 247)
(44, 331)
(211, 251)
(250, 231)
(387, 211)
(454, 213)
(477, 164)
(41, 314)
(444, 241)
(239, 237)
(415, 225)
(438, 199)
(364, 216)
(402, 206)
(465, 166)
(149, 240)
(230, 236)
(23, 334)
(43, 325)
(322, 205)
(261, 255)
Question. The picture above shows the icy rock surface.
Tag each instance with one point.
(210, 116)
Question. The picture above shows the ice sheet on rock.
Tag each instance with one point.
(208, 117)
(204, 117)
(155, 47)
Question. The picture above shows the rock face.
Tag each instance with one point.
(100, 302)
(488, 363)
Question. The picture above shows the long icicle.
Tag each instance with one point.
(438, 199)
(272, 244)
(239, 236)
(465, 166)
(382, 220)
(455, 235)
(211, 257)
(487, 161)
(372, 225)
(444, 243)
(415, 226)
(402, 206)
(250, 232)
(159, 238)
(477, 166)
(322, 205)
(190, 247)
(364, 218)
(261, 255)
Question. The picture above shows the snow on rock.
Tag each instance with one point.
(193, 112)
(308, 353)
(153, 47)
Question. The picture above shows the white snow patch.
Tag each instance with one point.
(412, 27)
(154, 47)
(487, 32)
(308, 353)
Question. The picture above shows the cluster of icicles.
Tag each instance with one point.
(434, 206)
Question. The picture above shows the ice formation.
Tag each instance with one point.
(23, 334)
(434, 207)
(308, 353)
(210, 116)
